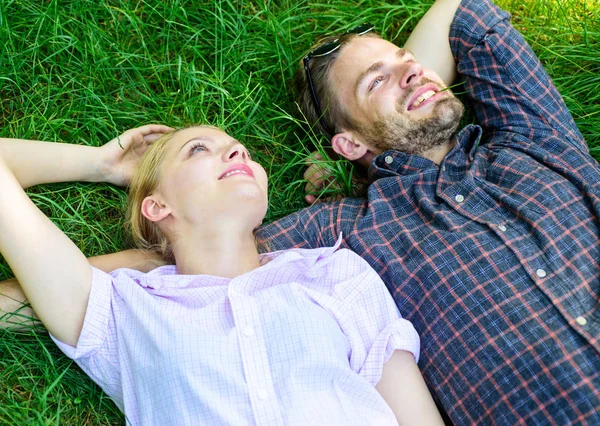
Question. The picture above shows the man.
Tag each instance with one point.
(488, 239)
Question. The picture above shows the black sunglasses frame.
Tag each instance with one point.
(323, 50)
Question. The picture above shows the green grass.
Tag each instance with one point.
(84, 71)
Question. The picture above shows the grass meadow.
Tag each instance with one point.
(83, 71)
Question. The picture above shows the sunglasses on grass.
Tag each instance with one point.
(324, 50)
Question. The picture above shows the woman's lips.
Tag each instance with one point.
(237, 169)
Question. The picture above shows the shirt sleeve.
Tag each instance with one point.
(312, 227)
(504, 79)
(96, 348)
(374, 326)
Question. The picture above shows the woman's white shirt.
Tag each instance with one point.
(300, 340)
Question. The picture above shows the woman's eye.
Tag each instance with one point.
(197, 148)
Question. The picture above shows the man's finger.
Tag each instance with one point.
(310, 199)
(312, 158)
(316, 172)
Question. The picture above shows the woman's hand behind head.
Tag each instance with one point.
(121, 155)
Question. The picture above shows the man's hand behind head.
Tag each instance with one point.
(330, 180)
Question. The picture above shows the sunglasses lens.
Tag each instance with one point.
(361, 29)
(326, 49)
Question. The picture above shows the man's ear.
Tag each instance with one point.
(346, 145)
(154, 210)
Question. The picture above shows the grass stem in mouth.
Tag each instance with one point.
(452, 86)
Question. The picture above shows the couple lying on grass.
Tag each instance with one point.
(486, 238)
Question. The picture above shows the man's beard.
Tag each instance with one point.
(417, 136)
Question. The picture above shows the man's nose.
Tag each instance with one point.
(411, 73)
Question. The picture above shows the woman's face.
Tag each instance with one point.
(206, 172)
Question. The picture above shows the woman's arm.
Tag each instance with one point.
(404, 389)
(53, 272)
(16, 314)
(36, 162)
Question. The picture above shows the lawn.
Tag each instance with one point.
(83, 71)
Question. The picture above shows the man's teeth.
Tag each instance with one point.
(234, 172)
(423, 97)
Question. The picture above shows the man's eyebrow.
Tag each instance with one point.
(375, 67)
(401, 53)
(198, 138)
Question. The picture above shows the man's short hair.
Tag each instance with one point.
(334, 114)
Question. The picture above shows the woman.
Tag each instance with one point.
(225, 336)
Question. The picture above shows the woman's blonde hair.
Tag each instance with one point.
(146, 234)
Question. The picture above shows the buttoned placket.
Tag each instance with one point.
(246, 314)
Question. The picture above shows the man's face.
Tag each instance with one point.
(392, 99)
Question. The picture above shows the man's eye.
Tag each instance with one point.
(375, 83)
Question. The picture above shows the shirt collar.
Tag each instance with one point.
(396, 163)
(308, 255)
(161, 277)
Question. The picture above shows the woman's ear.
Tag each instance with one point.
(346, 145)
(154, 210)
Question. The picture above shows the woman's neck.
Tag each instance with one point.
(222, 254)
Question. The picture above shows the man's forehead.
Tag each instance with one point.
(361, 56)
(363, 53)
(369, 46)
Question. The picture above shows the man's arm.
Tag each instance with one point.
(403, 388)
(429, 40)
(316, 226)
(510, 90)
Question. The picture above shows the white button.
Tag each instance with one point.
(389, 159)
(581, 320)
(248, 331)
(459, 198)
(443, 168)
(540, 273)
(502, 228)
(262, 394)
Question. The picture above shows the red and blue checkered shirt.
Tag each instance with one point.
(494, 255)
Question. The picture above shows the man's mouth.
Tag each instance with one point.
(237, 169)
(422, 96)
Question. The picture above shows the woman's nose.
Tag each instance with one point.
(236, 151)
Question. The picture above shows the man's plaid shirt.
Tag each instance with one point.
(494, 255)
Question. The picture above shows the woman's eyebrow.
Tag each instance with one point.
(198, 138)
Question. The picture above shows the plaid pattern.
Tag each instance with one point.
(494, 255)
(294, 342)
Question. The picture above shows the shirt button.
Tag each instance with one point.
(262, 394)
(459, 198)
(581, 320)
(540, 273)
(502, 228)
(443, 168)
(248, 331)
(388, 159)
